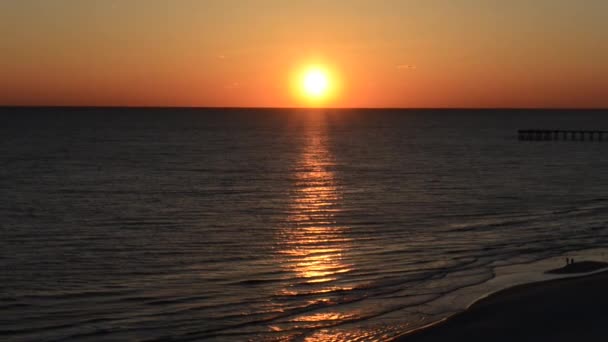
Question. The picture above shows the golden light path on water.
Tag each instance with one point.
(313, 245)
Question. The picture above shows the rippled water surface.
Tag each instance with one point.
(285, 225)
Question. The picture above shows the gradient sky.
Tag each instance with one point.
(391, 53)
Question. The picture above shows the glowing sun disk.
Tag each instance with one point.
(315, 83)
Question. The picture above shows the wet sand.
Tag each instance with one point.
(574, 309)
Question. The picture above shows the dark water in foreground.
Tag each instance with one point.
(278, 224)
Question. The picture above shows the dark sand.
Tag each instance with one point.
(574, 309)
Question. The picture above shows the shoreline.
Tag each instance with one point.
(560, 309)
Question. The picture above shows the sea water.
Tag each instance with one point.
(280, 224)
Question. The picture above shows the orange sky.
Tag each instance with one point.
(392, 53)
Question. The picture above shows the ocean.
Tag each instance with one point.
(282, 224)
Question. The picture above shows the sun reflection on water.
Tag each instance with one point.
(316, 250)
(312, 243)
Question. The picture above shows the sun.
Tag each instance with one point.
(315, 83)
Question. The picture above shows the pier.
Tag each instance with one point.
(567, 135)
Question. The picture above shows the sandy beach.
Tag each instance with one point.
(558, 310)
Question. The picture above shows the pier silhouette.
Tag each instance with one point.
(565, 135)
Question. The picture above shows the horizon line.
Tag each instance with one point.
(289, 108)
